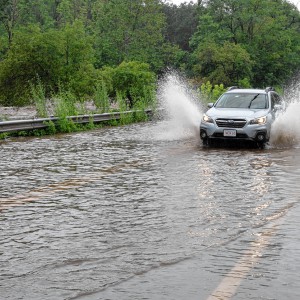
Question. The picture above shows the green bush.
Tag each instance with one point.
(32, 52)
(51, 129)
(56, 56)
(132, 79)
(210, 93)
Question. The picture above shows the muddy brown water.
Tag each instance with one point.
(118, 213)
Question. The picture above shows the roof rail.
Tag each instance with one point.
(269, 88)
(232, 88)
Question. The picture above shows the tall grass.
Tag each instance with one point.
(38, 95)
(125, 118)
(101, 98)
(65, 106)
(143, 100)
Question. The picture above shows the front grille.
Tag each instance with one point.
(238, 136)
(231, 123)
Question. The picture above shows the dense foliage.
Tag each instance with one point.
(112, 49)
(247, 40)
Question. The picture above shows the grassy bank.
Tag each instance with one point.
(80, 123)
(64, 104)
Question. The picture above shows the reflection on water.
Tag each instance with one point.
(118, 214)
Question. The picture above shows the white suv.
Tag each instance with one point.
(241, 114)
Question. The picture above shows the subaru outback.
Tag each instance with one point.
(241, 114)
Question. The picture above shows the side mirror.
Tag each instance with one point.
(210, 105)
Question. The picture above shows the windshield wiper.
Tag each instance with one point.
(253, 100)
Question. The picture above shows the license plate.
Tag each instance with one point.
(229, 133)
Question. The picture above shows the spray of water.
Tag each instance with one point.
(182, 112)
(285, 130)
(180, 108)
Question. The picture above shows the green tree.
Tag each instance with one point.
(268, 30)
(56, 57)
(9, 15)
(78, 66)
(208, 31)
(36, 12)
(129, 30)
(71, 10)
(133, 80)
(181, 23)
(227, 64)
(31, 54)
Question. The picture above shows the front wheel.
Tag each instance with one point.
(206, 142)
(261, 145)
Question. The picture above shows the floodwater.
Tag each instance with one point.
(126, 213)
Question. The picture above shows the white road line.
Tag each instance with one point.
(228, 286)
(230, 283)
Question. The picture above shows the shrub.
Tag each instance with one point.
(210, 93)
(56, 56)
(131, 79)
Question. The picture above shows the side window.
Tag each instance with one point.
(275, 99)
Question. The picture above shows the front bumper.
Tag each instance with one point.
(258, 133)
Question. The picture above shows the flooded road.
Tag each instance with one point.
(125, 213)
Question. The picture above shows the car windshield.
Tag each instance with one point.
(243, 100)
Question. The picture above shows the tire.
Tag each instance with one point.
(206, 142)
(261, 145)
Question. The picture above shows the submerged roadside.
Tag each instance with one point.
(24, 121)
(17, 113)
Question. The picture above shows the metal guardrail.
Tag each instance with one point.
(31, 124)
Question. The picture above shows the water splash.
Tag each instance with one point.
(181, 109)
(285, 130)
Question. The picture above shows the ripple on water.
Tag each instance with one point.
(91, 210)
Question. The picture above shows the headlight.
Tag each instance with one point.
(207, 119)
(259, 121)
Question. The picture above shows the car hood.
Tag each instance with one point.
(236, 113)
